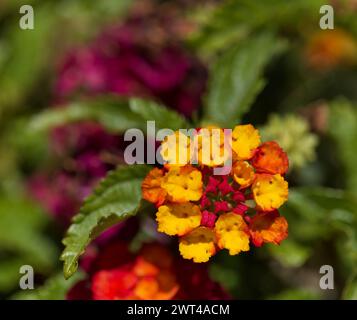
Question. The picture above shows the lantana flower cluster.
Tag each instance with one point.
(210, 212)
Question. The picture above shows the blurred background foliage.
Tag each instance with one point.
(307, 101)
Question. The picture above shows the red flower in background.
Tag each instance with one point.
(153, 273)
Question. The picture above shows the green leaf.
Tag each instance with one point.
(13, 6)
(236, 79)
(290, 253)
(234, 20)
(295, 294)
(20, 233)
(116, 198)
(317, 212)
(163, 117)
(22, 241)
(28, 54)
(9, 273)
(116, 115)
(350, 291)
(343, 129)
(111, 112)
(55, 288)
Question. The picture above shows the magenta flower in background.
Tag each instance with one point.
(123, 62)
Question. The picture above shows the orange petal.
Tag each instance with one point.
(243, 173)
(270, 158)
(144, 268)
(268, 227)
(146, 288)
(151, 187)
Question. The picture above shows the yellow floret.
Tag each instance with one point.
(270, 191)
(183, 184)
(178, 219)
(210, 147)
(245, 139)
(198, 245)
(232, 233)
(175, 149)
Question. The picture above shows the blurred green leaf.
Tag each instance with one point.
(342, 127)
(236, 79)
(290, 253)
(21, 238)
(317, 214)
(7, 7)
(117, 197)
(295, 294)
(350, 291)
(10, 177)
(29, 147)
(9, 273)
(234, 20)
(27, 55)
(114, 114)
(311, 211)
(163, 117)
(55, 288)
(78, 16)
(20, 225)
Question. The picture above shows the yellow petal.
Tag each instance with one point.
(183, 184)
(245, 139)
(198, 245)
(175, 149)
(211, 149)
(232, 233)
(178, 219)
(269, 191)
